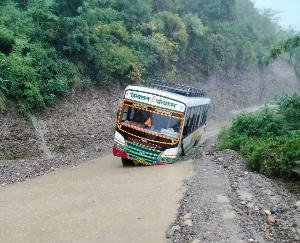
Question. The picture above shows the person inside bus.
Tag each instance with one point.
(148, 122)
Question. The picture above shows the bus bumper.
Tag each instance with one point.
(119, 152)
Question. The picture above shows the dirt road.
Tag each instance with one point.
(98, 201)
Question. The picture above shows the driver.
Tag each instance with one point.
(148, 122)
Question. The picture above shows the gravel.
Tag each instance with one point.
(227, 203)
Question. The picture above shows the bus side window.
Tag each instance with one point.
(125, 114)
(203, 119)
(191, 123)
(205, 114)
(187, 120)
(198, 117)
(195, 113)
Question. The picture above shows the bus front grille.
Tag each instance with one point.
(136, 151)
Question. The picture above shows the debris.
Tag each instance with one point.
(188, 223)
(297, 206)
(270, 219)
(274, 210)
(176, 228)
(187, 216)
(267, 212)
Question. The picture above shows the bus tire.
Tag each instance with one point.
(127, 162)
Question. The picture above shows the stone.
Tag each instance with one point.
(187, 216)
(195, 241)
(188, 223)
(250, 205)
(176, 228)
(274, 210)
(267, 212)
(235, 185)
(297, 206)
(270, 219)
(171, 231)
(98, 149)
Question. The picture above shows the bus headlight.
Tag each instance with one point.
(119, 138)
(170, 153)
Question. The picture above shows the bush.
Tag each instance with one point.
(289, 107)
(251, 125)
(273, 156)
(269, 140)
(6, 41)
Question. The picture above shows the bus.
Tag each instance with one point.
(158, 124)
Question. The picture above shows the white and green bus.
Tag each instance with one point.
(158, 124)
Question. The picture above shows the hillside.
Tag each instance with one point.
(49, 46)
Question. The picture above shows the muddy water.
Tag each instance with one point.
(99, 201)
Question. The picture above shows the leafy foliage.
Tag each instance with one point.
(269, 140)
(291, 46)
(47, 45)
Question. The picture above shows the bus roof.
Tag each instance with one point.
(188, 101)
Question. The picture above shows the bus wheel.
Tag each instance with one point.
(127, 162)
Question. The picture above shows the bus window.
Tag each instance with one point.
(204, 114)
(194, 125)
(126, 114)
(190, 125)
(197, 117)
(151, 122)
(187, 121)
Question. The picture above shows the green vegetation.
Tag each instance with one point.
(291, 47)
(269, 139)
(46, 46)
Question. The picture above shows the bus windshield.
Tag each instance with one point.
(154, 120)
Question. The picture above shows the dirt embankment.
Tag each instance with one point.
(81, 126)
(224, 202)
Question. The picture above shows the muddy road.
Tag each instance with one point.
(200, 199)
(98, 201)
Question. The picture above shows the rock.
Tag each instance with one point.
(187, 216)
(270, 219)
(171, 232)
(274, 210)
(250, 205)
(98, 149)
(176, 228)
(195, 241)
(251, 240)
(298, 234)
(188, 223)
(297, 206)
(267, 212)
(235, 185)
